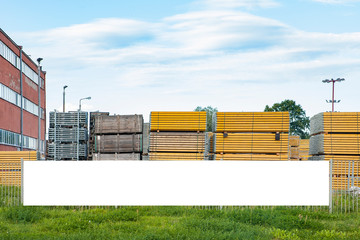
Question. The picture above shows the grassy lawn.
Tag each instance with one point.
(175, 223)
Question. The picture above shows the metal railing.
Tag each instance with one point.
(344, 187)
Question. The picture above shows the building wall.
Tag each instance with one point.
(10, 112)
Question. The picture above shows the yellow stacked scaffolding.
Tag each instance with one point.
(10, 166)
(251, 135)
(178, 121)
(304, 149)
(336, 136)
(178, 136)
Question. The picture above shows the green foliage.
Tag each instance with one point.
(209, 115)
(299, 122)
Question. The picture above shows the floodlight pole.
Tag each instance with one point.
(333, 90)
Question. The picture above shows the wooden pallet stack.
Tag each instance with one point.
(10, 166)
(116, 137)
(304, 149)
(294, 148)
(92, 134)
(178, 136)
(336, 135)
(251, 135)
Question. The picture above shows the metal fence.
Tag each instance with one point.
(344, 187)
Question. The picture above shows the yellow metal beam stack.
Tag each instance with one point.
(10, 166)
(336, 136)
(178, 136)
(251, 135)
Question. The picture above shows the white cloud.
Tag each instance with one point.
(238, 3)
(337, 1)
(225, 58)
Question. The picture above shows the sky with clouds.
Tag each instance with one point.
(237, 55)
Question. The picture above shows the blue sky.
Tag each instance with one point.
(237, 55)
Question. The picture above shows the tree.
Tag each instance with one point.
(299, 122)
(209, 114)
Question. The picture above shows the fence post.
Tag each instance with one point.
(330, 187)
(22, 181)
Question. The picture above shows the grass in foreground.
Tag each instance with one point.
(174, 223)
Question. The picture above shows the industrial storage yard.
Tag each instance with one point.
(99, 138)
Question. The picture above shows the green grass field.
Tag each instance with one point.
(175, 223)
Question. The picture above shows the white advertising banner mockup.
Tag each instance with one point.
(176, 183)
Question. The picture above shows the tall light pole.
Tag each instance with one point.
(333, 90)
(64, 97)
(78, 127)
(39, 104)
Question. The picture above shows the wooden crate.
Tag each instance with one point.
(118, 124)
(116, 156)
(118, 143)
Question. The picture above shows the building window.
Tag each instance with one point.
(9, 55)
(15, 98)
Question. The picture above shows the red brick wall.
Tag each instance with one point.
(10, 113)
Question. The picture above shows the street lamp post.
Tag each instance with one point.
(78, 127)
(87, 98)
(39, 103)
(64, 97)
(333, 101)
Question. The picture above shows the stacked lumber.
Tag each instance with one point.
(178, 121)
(294, 143)
(68, 136)
(246, 157)
(342, 144)
(178, 136)
(335, 122)
(251, 122)
(190, 142)
(250, 143)
(251, 135)
(116, 137)
(336, 136)
(304, 149)
(175, 156)
(10, 166)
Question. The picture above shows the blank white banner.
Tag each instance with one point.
(176, 183)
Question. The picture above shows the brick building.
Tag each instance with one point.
(19, 99)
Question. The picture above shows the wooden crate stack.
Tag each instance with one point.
(178, 136)
(294, 148)
(336, 135)
(251, 135)
(116, 137)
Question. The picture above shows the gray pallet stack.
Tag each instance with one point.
(68, 135)
(116, 137)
